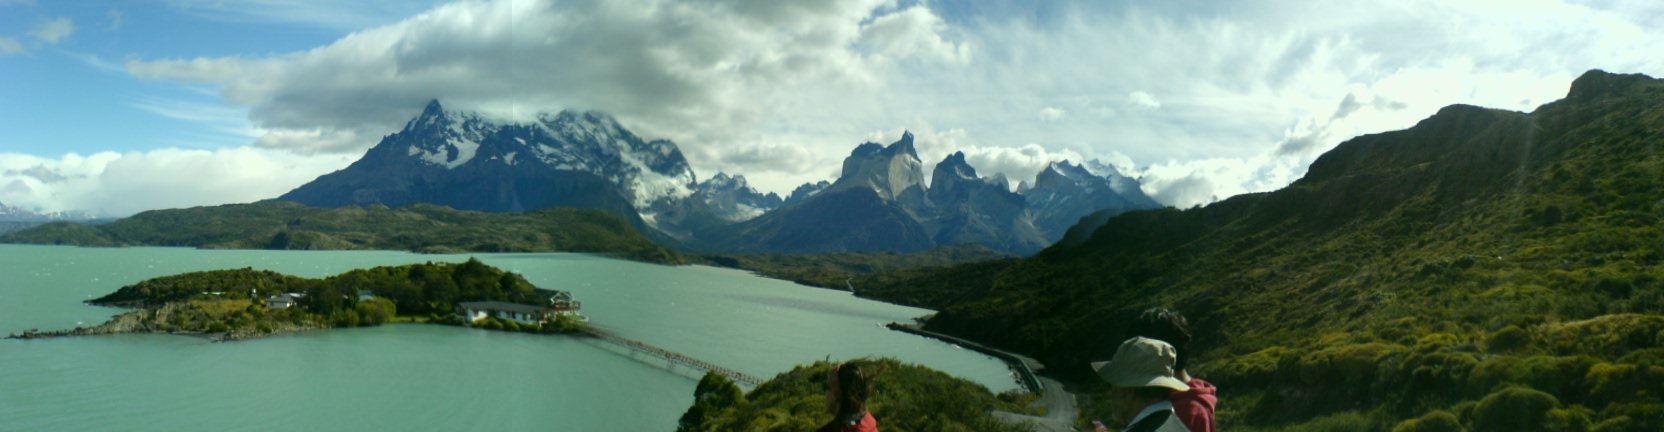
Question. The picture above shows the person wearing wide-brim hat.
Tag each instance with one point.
(1141, 374)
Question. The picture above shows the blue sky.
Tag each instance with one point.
(74, 95)
(119, 107)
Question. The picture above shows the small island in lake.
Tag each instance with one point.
(246, 303)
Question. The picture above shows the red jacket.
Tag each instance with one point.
(1195, 407)
(866, 424)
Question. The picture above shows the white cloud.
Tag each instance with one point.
(120, 184)
(53, 31)
(1052, 113)
(340, 15)
(914, 33)
(1143, 100)
(115, 18)
(10, 46)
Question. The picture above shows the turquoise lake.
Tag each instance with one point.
(422, 377)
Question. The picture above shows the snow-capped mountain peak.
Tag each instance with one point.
(446, 138)
(733, 199)
(466, 160)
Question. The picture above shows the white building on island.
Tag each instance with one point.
(524, 314)
(282, 301)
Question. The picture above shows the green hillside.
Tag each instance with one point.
(420, 228)
(847, 270)
(1489, 269)
(906, 397)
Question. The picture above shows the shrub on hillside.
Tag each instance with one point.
(1558, 375)
(1507, 339)
(1436, 421)
(1514, 409)
(1607, 335)
(1611, 383)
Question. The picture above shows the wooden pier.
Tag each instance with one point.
(673, 356)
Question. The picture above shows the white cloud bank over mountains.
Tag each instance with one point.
(121, 184)
(1204, 100)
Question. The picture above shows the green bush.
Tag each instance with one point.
(1575, 418)
(1637, 417)
(1610, 383)
(1606, 336)
(1645, 357)
(1436, 421)
(1616, 424)
(1349, 421)
(1507, 339)
(1255, 369)
(1350, 365)
(1514, 409)
(376, 311)
(713, 394)
(1558, 375)
(1440, 372)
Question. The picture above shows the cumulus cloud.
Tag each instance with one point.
(914, 33)
(1143, 100)
(1052, 113)
(120, 184)
(52, 31)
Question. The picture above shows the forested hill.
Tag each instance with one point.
(1409, 273)
(420, 228)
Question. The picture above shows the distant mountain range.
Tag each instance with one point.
(882, 203)
(15, 218)
(19, 214)
(587, 160)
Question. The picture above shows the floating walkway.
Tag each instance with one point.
(673, 356)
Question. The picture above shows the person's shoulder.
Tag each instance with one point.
(1152, 423)
(867, 424)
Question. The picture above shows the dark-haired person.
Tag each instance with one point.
(1194, 406)
(1142, 381)
(847, 389)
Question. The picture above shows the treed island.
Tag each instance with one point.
(246, 303)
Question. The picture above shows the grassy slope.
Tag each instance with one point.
(1374, 290)
(422, 228)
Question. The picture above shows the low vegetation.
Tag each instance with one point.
(419, 228)
(906, 397)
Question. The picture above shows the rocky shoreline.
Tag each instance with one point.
(152, 321)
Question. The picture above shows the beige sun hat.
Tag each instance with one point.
(1141, 362)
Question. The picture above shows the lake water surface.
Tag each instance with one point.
(422, 377)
